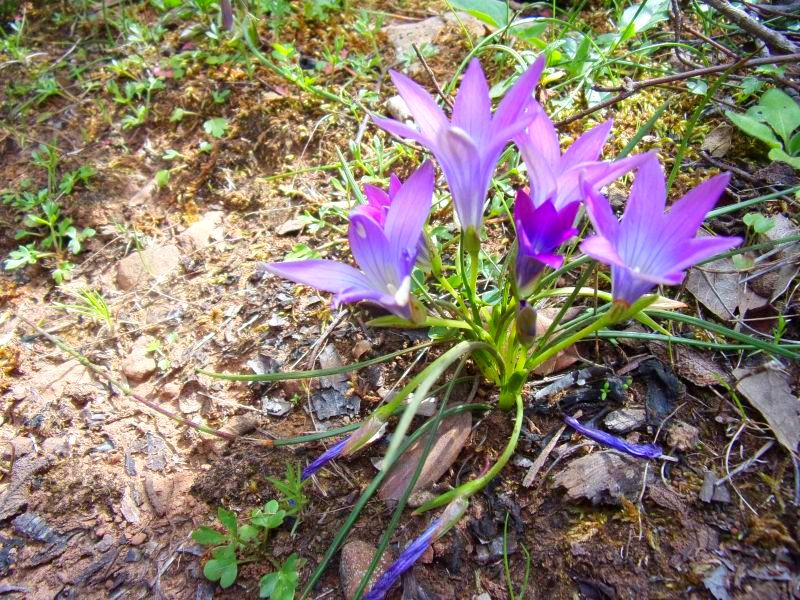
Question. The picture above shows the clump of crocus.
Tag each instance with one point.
(384, 247)
(540, 232)
(469, 146)
(649, 451)
(557, 178)
(649, 247)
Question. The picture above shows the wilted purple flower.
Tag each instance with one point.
(404, 562)
(649, 247)
(385, 251)
(324, 458)
(540, 231)
(438, 527)
(637, 450)
(469, 146)
(556, 177)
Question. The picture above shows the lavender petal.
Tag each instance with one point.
(648, 451)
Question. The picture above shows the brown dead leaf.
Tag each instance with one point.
(452, 434)
(716, 285)
(603, 477)
(770, 392)
(689, 364)
(565, 358)
(718, 142)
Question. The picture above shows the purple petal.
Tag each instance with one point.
(372, 252)
(324, 458)
(599, 210)
(402, 130)
(466, 175)
(472, 110)
(601, 249)
(404, 562)
(648, 451)
(327, 275)
(688, 213)
(409, 211)
(394, 185)
(227, 14)
(699, 249)
(427, 114)
(517, 98)
(587, 148)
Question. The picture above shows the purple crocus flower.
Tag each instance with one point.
(404, 562)
(540, 231)
(377, 207)
(384, 249)
(556, 177)
(324, 458)
(649, 451)
(469, 146)
(649, 247)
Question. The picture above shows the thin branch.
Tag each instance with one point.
(428, 70)
(631, 87)
(774, 40)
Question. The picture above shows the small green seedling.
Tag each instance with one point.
(775, 121)
(758, 222)
(282, 584)
(216, 127)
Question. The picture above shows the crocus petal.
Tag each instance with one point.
(466, 175)
(394, 185)
(472, 110)
(647, 200)
(409, 211)
(587, 148)
(327, 275)
(600, 214)
(648, 451)
(324, 458)
(401, 130)
(602, 249)
(688, 213)
(372, 252)
(517, 98)
(428, 115)
(404, 562)
(699, 249)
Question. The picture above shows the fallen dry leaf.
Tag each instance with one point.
(716, 285)
(602, 477)
(770, 392)
(452, 434)
(689, 364)
(565, 358)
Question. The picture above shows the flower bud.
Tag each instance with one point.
(526, 324)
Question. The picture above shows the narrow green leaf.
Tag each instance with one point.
(228, 519)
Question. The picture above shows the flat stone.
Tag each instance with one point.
(151, 263)
(682, 436)
(203, 232)
(625, 420)
(404, 35)
(356, 557)
(139, 364)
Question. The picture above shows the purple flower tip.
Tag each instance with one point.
(404, 562)
(649, 247)
(648, 451)
(469, 144)
(541, 229)
(324, 458)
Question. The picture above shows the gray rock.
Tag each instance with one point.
(625, 420)
(356, 557)
(682, 436)
(151, 263)
(139, 364)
